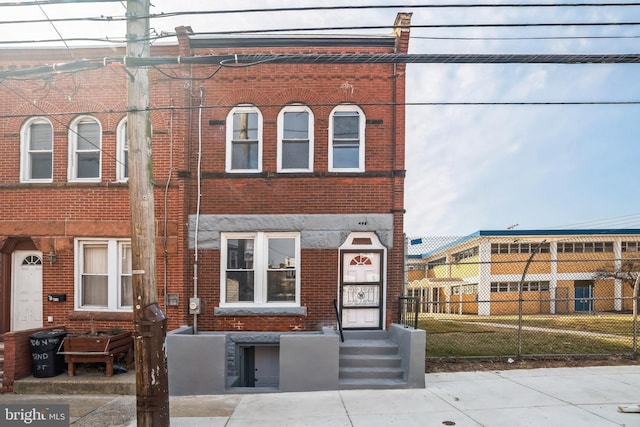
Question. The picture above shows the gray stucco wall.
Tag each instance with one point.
(316, 231)
(196, 363)
(309, 362)
(412, 344)
(203, 363)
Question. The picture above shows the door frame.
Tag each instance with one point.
(9, 246)
(14, 264)
(364, 242)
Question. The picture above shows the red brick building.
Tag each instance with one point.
(299, 169)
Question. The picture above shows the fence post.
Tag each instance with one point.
(524, 275)
(636, 284)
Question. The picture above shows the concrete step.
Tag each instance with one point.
(83, 383)
(370, 361)
(362, 347)
(362, 384)
(371, 373)
(366, 335)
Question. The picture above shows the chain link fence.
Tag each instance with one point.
(525, 295)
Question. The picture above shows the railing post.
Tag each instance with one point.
(335, 307)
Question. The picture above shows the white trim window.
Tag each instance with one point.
(244, 140)
(36, 151)
(295, 139)
(85, 150)
(103, 275)
(346, 139)
(260, 269)
(122, 153)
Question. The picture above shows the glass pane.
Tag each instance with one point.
(346, 157)
(296, 125)
(239, 286)
(282, 253)
(295, 155)
(240, 254)
(95, 259)
(245, 126)
(94, 290)
(88, 136)
(88, 165)
(345, 125)
(126, 164)
(125, 260)
(126, 292)
(244, 155)
(41, 136)
(281, 285)
(41, 166)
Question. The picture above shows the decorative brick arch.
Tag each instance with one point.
(244, 96)
(27, 111)
(159, 119)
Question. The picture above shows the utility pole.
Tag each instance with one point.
(150, 322)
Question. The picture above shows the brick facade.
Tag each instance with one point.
(50, 217)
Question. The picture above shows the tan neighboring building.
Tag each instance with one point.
(480, 273)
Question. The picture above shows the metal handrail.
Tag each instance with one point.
(402, 311)
(335, 307)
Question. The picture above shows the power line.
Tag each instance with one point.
(625, 219)
(365, 104)
(522, 38)
(231, 60)
(295, 30)
(50, 2)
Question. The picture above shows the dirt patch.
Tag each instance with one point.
(466, 365)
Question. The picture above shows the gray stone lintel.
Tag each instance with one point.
(260, 311)
(322, 231)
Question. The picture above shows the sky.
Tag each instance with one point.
(469, 168)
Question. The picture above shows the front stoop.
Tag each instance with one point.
(85, 383)
(370, 360)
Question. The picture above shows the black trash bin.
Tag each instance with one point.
(46, 362)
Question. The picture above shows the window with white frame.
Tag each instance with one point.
(103, 275)
(85, 149)
(346, 139)
(260, 269)
(36, 151)
(122, 153)
(244, 140)
(295, 139)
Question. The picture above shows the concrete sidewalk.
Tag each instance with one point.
(539, 397)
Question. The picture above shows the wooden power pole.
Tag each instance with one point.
(150, 322)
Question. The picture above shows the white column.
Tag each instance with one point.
(553, 282)
(617, 284)
(484, 278)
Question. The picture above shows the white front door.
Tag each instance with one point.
(26, 310)
(361, 289)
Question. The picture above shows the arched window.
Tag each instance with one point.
(295, 139)
(85, 149)
(36, 151)
(346, 139)
(244, 140)
(122, 153)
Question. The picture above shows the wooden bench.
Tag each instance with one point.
(96, 349)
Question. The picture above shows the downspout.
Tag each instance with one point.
(197, 225)
(166, 196)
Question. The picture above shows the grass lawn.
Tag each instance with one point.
(460, 337)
